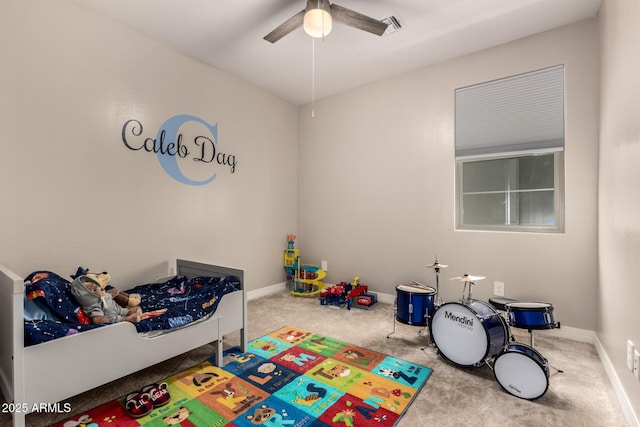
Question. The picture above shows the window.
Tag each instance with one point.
(518, 193)
(510, 153)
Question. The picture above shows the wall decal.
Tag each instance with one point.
(170, 146)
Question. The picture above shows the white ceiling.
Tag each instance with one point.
(228, 34)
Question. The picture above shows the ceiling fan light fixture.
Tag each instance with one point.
(317, 19)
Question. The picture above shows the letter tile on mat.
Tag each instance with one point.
(233, 398)
(268, 346)
(385, 392)
(186, 414)
(360, 357)
(284, 379)
(241, 362)
(402, 371)
(291, 335)
(200, 379)
(353, 411)
(269, 376)
(308, 395)
(273, 412)
(111, 413)
(337, 374)
(298, 359)
(322, 345)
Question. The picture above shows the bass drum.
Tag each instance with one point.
(468, 334)
(521, 371)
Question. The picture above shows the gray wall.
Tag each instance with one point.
(376, 182)
(619, 222)
(73, 194)
(368, 184)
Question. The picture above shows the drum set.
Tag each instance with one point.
(471, 333)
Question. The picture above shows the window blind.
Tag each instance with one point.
(518, 113)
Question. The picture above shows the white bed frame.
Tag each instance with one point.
(56, 370)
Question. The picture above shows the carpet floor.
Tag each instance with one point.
(579, 395)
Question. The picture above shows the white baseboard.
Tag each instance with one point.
(632, 418)
(266, 291)
(388, 298)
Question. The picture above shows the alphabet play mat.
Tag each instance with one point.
(291, 377)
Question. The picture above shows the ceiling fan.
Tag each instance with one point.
(317, 18)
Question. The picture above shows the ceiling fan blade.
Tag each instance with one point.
(285, 28)
(358, 20)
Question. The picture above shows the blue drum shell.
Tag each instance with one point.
(414, 305)
(530, 315)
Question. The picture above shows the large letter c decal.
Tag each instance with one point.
(168, 162)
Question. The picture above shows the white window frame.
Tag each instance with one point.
(558, 194)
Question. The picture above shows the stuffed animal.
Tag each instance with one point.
(101, 305)
(121, 297)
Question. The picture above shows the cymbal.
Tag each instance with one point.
(467, 278)
(437, 265)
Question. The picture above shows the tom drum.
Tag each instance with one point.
(530, 315)
(414, 304)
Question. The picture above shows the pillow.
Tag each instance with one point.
(52, 294)
(35, 310)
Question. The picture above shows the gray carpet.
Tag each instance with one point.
(580, 396)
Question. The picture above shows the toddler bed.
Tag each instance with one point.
(57, 369)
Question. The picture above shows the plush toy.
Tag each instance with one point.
(101, 305)
(121, 297)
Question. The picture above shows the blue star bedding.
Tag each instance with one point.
(51, 312)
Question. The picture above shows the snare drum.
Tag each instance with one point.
(499, 303)
(414, 304)
(530, 315)
(468, 334)
(521, 371)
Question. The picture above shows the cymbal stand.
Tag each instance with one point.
(468, 299)
(470, 294)
(395, 315)
(438, 302)
(464, 289)
(437, 266)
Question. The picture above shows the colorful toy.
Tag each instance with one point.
(344, 293)
(366, 300)
(303, 280)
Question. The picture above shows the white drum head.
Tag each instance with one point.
(459, 334)
(529, 305)
(415, 289)
(520, 375)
